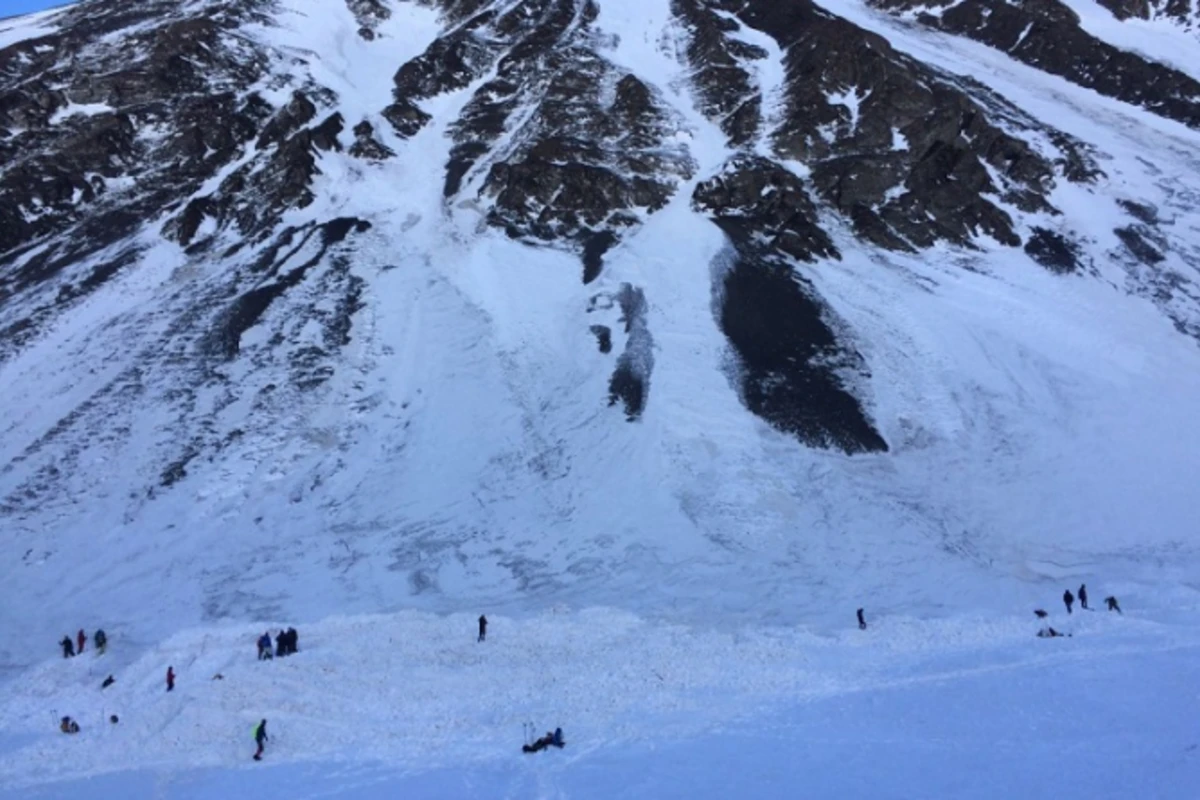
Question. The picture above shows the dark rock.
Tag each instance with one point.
(727, 91)
(366, 146)
(603, 337)
(1136, 242)
(630, 382)
(1144, 212)
(900, 150)
(764, 208)
(790, 362)
(1047, 34)
(1053, 251)
(583, 168)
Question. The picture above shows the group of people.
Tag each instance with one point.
(1069, 601)
(70, 648)
(286, 643)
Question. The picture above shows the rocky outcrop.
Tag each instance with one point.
(1046, 34)
(589, 151)
(727, 91)
(793, 371)
(905, 153)
(1184, 12)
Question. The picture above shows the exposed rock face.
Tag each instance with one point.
(1046, 34)
(588, 144)
(1182, 11)
(723, 67)
(792, 370)
(144, 125)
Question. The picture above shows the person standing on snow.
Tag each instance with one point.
(260, 737)
(482, 628)
(101, 639)
(68, 647)
(81, 638)
(1068, 599)
(1112, 604)
(170, 679)
(862, 623)
(1083, 596)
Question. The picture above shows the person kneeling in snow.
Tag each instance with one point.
(68, 725)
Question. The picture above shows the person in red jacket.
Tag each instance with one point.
(170, 678)
(80, 641)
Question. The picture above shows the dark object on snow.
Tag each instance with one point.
(260, 737)
(1050, 633)
(550, 739)
(170, 679)
(1068, 599)
(68, 647)
(1112, 604)
(1039, 613)
(1083, 595)
(862, 623)
(482, 627)
(81, 638)
(109, 681)
(101, 640)
(280, 647)
(68, 725)
(218, 677)
(292, 641)
(264, 647)
(113, 719)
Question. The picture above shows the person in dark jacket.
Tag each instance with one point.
(170, 679)
(862, 623)
(482, 627)
(539, 744)
(260, 738)
(68, 725)
(1112, 604)
(1068, 599)
(68, 647)
(109, 681)
(101, 640)
(264, 647)
(293, 641)
(81, 638)
(1083, 595)
(280, 650)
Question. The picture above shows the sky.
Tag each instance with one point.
(11, 8)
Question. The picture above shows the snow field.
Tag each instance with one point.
(415, 692)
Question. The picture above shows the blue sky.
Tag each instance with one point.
(10, 8)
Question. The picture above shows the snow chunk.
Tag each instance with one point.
(80, 109)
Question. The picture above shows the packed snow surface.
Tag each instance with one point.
(410, 703)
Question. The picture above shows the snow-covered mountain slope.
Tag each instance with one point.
(345, 307)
